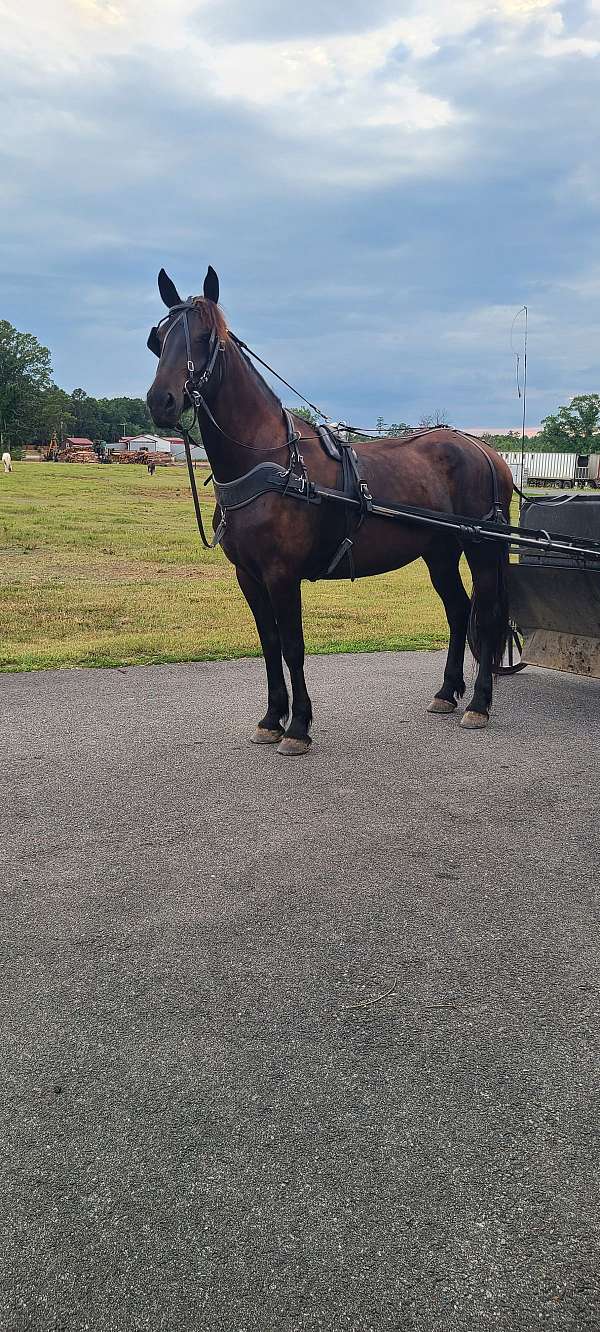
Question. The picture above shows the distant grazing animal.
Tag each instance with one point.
(7, 461)
(275, 541)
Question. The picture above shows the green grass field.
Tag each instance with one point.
(102, 566)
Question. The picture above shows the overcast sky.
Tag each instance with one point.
(380, 187)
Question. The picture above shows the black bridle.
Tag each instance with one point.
(197, 380)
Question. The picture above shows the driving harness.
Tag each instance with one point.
(293, 481)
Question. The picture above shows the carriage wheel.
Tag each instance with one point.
(512, 660)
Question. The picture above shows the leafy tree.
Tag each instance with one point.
(125, 416)
(54, 415)
(573, 429)
(506, 443)
(380, 425)
(25, 372)
(33, 408)
(305, 413)
(397, 429)
(87, 415)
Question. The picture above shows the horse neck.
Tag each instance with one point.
(249, 416)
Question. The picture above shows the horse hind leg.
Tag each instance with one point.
(443, 565)
(269, 730)
(489, 567)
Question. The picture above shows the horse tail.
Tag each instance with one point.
(490, 622)
(503, 618)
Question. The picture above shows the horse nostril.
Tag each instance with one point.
(163, 405)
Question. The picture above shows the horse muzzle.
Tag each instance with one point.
(165, 407)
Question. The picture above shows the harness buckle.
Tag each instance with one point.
(190, 366)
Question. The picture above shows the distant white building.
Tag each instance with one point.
(178, 451)
(156, 444)
(175, 444)
(132, 443)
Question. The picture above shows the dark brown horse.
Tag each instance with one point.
(275, 542)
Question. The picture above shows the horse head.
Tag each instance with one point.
(186, 342)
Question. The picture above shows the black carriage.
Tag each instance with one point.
(554, 586)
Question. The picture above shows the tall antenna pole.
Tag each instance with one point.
(523, 395)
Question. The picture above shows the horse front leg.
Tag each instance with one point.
(269, 730)
(286, 600)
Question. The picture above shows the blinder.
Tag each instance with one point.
(153, 343)
(215, 345)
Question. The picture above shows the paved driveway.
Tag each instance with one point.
(298, 1044)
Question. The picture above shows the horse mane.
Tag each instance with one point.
(213, 319)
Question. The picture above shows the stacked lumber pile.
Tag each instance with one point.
(77, 450)
(161, 457)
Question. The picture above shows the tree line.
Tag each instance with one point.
(574, 428)
(33, 409)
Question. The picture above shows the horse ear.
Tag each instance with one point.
(168, 290)
(153, 343)
(211, 285)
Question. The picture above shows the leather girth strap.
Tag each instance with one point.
(355, 487)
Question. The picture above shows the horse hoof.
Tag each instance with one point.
(264, 737)
(442, 706)
(474, 721)
(291, 747)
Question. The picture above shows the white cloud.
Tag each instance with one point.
(390, 188)
(564, 332)
(524, 8)
(570, 46)
(585, 285)
(101, 11)
(355, 100)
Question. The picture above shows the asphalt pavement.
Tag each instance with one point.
(298, 1044)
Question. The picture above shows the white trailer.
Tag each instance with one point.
(554, 469)
(520, 477)
(514, 462)
(593, 471)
